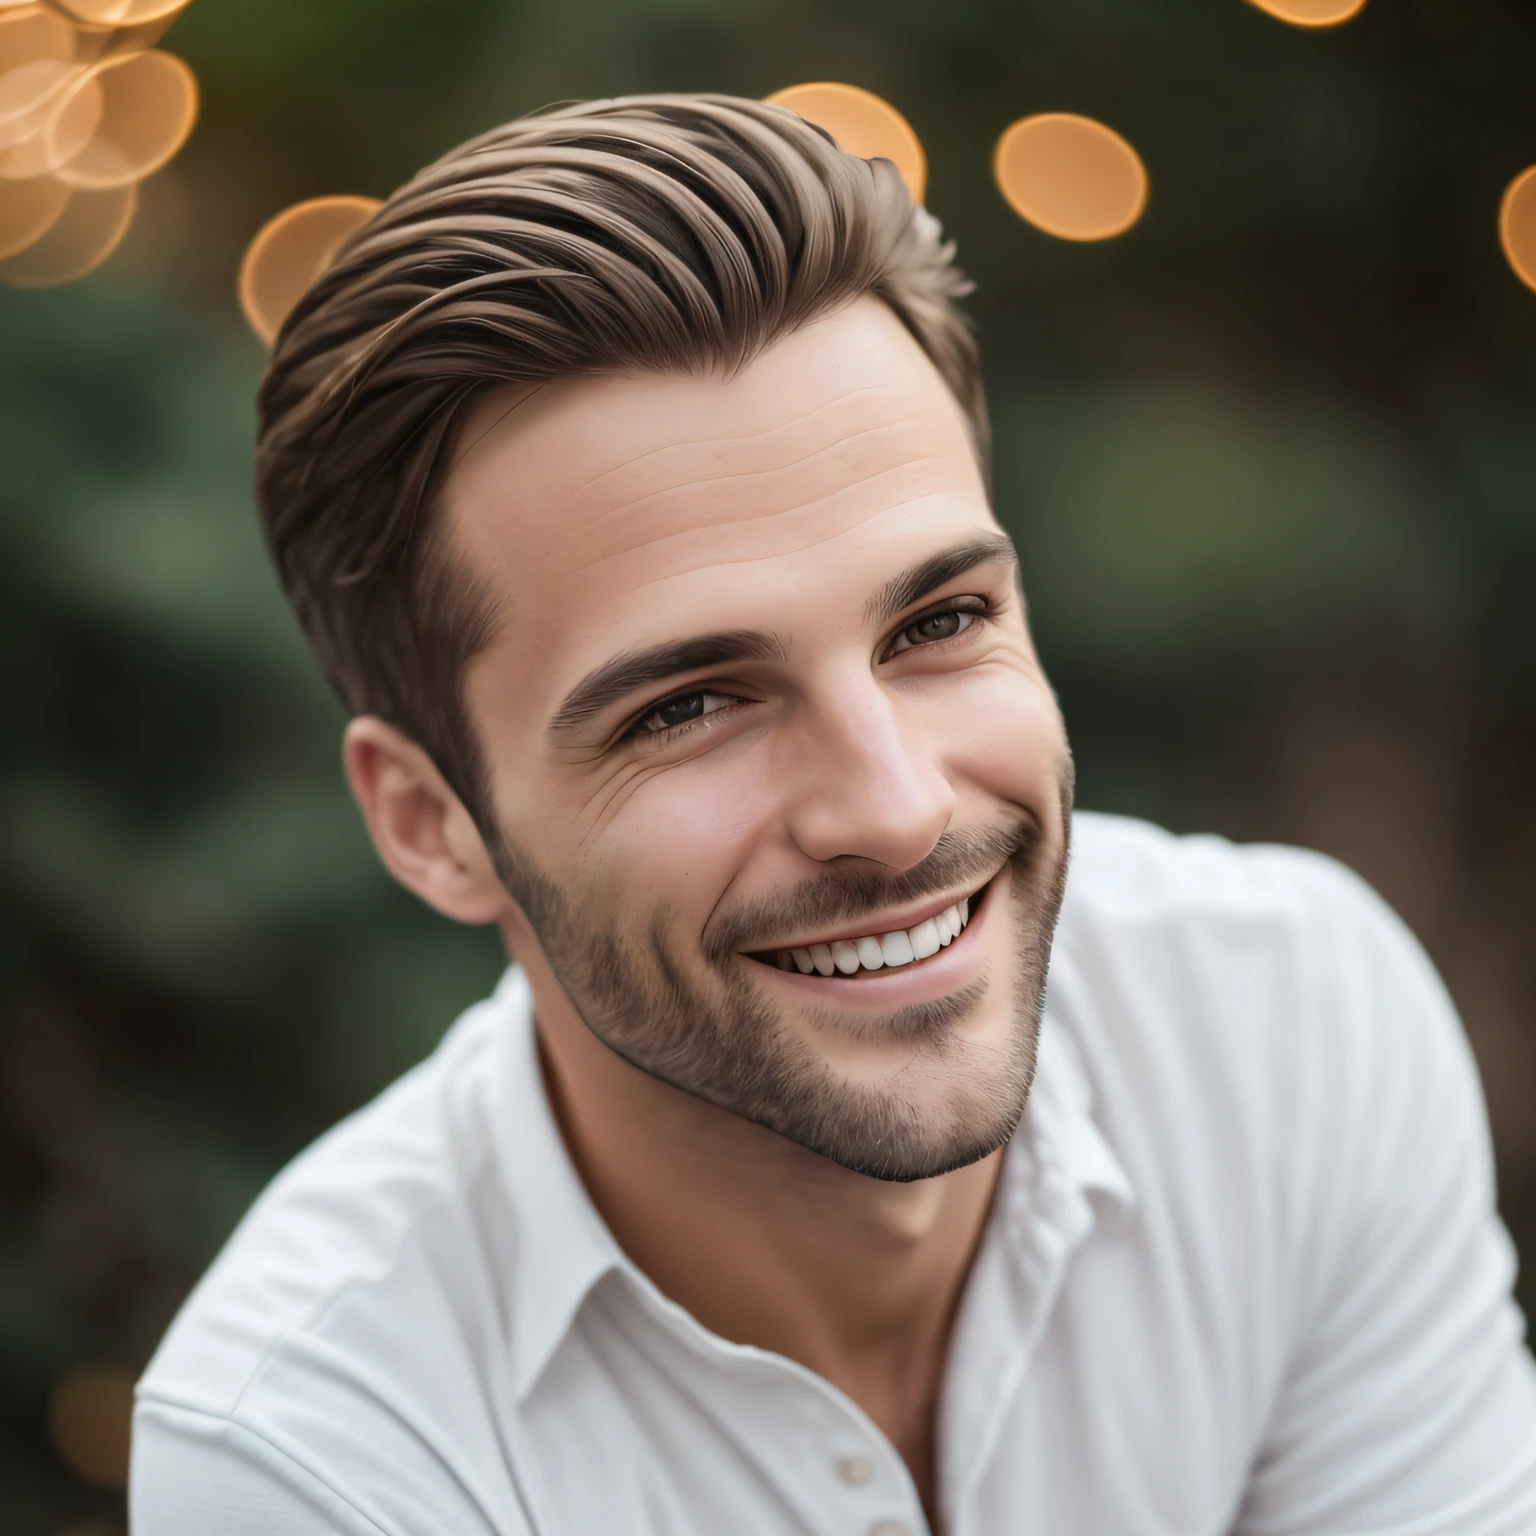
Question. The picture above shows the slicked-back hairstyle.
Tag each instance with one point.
(649, 233)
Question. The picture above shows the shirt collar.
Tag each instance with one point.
(562, 1247)
(1059, 1134)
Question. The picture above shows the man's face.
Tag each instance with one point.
(765, 728)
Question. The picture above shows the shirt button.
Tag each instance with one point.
(856, 1471)
(890, 1528)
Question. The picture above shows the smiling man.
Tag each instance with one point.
(629, 474)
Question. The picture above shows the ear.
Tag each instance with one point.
(425, 837)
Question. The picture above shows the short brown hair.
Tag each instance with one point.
(648, 233)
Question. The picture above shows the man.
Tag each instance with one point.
(628, 473)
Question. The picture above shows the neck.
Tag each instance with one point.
(766, 1243)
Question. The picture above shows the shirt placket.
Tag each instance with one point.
(828, 1460)
(1042, 1216)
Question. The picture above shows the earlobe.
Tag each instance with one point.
(419, 826)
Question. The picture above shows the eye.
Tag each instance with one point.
(932, 628)
(680, 709)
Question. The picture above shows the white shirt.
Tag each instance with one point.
(1242, 1273)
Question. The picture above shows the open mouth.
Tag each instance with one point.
(867, 953)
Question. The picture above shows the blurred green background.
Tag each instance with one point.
(1270, 460)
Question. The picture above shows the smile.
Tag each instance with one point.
(856, 955)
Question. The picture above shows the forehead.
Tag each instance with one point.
(621, 510)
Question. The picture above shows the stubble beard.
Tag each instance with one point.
(727, 1044)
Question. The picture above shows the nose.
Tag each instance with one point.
(861, 782)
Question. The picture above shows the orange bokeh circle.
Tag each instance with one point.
(289, 252)
(1311, 13)
(143, 106)
(1517, 226)
(87, 231)
(32, 32)
(28, 210)
(863, 124)
(37, 63)
(119, 13)
(1071, 176)
(29, 95)
(89, 1413)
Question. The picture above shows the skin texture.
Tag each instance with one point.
(851, 773)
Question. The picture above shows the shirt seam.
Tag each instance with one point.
(268, 1446)
(328, 1304)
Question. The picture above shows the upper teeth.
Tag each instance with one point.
(900, 947)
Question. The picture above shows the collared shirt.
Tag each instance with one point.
(1242, 1273)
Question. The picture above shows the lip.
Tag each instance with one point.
(901, 919)
(922, 980)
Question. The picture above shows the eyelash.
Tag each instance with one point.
(982, 613)
(978, 609)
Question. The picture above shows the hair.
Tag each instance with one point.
(644, 234)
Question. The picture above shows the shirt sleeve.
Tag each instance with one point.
(1408, 1407)
(195, 1473)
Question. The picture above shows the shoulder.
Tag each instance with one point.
(341, 1232)
(1264, 1036)
(347, 1354)
(1134, 872)
(1240, 937)
(1266, 961)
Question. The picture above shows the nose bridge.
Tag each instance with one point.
(862, 779)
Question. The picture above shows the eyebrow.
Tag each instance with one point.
(631, 670)
(920, 579)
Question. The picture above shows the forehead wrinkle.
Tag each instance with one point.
(736, 518)
(754, 559)
(717, 447)
(764, 478)
(738, 438)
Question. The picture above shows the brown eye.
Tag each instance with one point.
(933, 627)
(679, 710)
(937, 626)
(676, 711)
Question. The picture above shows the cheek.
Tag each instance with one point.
(681, 838)
(999, 729)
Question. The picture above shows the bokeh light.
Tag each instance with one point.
(862, 124)
(1517, 226)
(92, 44)
(59, 128)
(37, 61)
(119, 13)
(143, 107)
(86, 107)
(1312, 13)
(90, 1414)
(27, 211)
(29, 94)
(1070, 176)
(289, 252)
(87, 231)
(29, 33)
